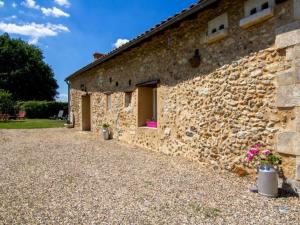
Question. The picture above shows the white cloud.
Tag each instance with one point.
(13, 17)
(55, 12)
(120, 42)
(62, 97)
(33, 31)
(65, 3)
(14, 5)
(30, 4)
(2, 4)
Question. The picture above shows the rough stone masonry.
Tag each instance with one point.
(219, 91)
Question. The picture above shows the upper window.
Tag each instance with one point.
(217, 28)
(255, 6)
(218, 24)
(257, 11)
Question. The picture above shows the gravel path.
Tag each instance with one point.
(59, 176)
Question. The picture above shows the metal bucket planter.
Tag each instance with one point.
(105, 133)
(268, 181)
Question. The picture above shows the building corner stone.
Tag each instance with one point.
(288, 89)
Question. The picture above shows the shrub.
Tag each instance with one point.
(6, 102)
(42, 109)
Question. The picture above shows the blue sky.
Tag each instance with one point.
(70, 31)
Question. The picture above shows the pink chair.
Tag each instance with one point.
(21, 115)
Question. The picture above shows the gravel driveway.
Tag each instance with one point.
(59, 176)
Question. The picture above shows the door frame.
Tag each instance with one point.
(86, 112)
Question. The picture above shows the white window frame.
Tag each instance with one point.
(260, 15)
(215, 25)
(251, 4)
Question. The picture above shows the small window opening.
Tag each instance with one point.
(265, 6)
(147, 107)
(110, 80)
(214, 31)
(129, 82)
(222, 27)
(253, 11)
(117, 84)
(128, 99)
(82, 87)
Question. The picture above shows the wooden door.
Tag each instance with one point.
(86, 113)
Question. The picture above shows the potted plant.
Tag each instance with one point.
(105, 131)
(267, 164)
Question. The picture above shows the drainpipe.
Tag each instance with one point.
(69, 104)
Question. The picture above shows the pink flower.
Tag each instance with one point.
(258, 145)
(266, 152)
(253, 151)
(250, 157)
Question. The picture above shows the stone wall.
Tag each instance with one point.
(224, 112)
(212, 112)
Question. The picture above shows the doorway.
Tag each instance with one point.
(86, 113)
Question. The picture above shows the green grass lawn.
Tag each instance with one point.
(31, 124)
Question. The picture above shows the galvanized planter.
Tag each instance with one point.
(105, 133)
(268, 181)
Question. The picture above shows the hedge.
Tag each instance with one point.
(6, 102)
(41, 109)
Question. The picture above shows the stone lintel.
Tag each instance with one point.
(288, 35)
(217, 36)
(285, 78)
(298, 168)
(297, 116)
(296, 66)
(288, 96)
(296, 52)
(290, 53)
(288, 143)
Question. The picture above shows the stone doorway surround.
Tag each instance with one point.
(288, 90)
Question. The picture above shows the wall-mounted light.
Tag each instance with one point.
(196, 59)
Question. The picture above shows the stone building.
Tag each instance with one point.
(204, 84)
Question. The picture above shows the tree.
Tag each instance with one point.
(6, 102)
(23, 71)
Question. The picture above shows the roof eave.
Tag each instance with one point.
(181, 16)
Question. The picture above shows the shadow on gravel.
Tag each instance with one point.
(287, 191)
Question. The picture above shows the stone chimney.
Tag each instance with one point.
(98, 55)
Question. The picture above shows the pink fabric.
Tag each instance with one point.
(151, 124)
